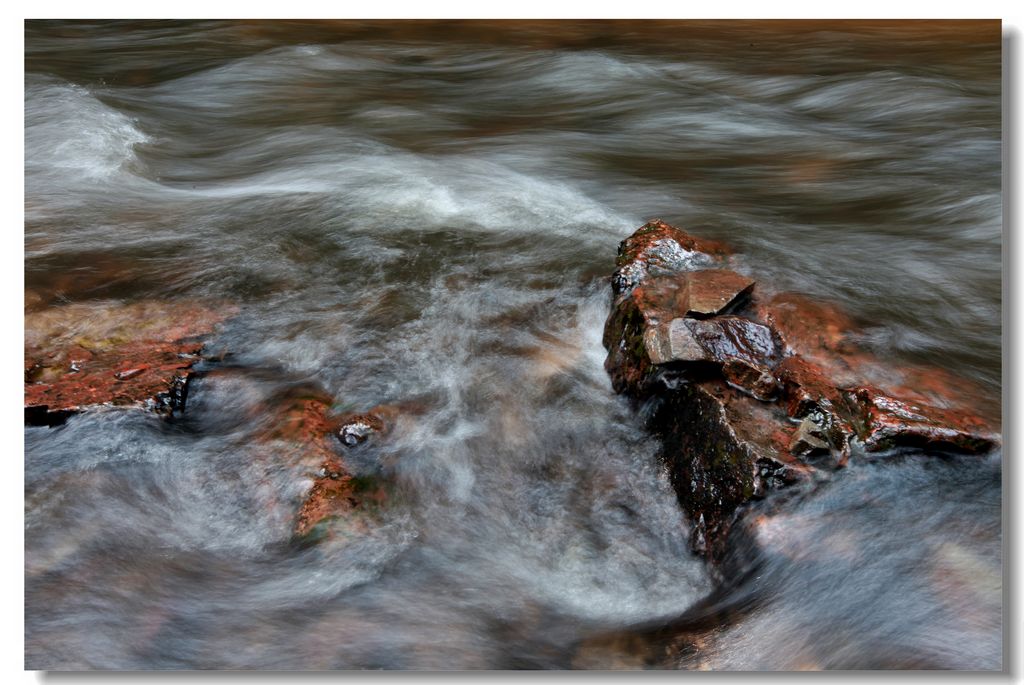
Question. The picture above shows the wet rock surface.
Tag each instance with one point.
(658, 248)
(751, 391)
(884, 422)
(335, 491)
(83, 356)
(723, 448)
(712, 291)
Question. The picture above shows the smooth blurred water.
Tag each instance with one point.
(407, 216)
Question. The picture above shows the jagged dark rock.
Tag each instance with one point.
(723, 449)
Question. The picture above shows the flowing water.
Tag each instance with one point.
(428, 212)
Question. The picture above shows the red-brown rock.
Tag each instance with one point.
(334, 492)
(303, 431)
(816, 331)
(712, 291)
(332, 495)
(734, 378)
(808, 395)
(80, 356)
(883, 422)
(657, 249)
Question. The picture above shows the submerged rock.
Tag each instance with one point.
(82, 356)
(305, 428)
(331, 495)
(747, 391)
(335, 491)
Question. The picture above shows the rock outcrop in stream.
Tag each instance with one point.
(83, 356)
(143, 355)
(750, 392)
(335, 490)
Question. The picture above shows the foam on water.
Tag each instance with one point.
(69, 130)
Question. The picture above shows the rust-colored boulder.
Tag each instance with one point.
(85, 355)
(656, 249)
(750, 392)
(883, 422)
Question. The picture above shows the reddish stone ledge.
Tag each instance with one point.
(82, 356)
(753, 392)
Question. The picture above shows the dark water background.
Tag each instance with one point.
(427, 211)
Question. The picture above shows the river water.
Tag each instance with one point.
(429, 212)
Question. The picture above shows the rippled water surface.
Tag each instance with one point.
(428, 213)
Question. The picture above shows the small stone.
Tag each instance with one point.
(129, 373)
(357, 429)
(808, 439)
